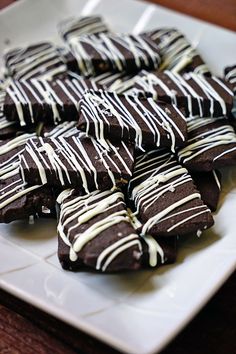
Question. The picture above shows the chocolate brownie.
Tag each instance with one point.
(211, 145)
(34, 101)
(201, 96)
(95, 230)
(165, 198)
(76, 161)
(209, 186)
(41, 60)
(19, 201)
(73, 28)
(177, 53)
(123, 117)
(104, 52)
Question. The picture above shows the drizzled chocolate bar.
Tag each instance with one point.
(76, 161)
(104, 52)
(200, 96)
(165, 198)
(40, 60)
(140, 120)
(33, 101)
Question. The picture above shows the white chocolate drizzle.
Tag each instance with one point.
(154, 249)
(65, 129)
(10, 152)
(230, 76)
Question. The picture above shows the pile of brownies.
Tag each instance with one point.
(119, 137)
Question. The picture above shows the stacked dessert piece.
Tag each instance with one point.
(123, 153)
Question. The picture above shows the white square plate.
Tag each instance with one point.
(140, 312)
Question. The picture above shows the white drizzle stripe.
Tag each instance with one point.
(14, 190)
(224, 153)
(7, 171)
(153, 220)
(64, 129)
(153, 249)
(230, 76)
(76, 27)
(16, 142)
(184, 211)
(216, 179)
(17, 195)
(120, 250)
(111, 248)
(187, 219)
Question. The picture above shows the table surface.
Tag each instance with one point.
(25, 329)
